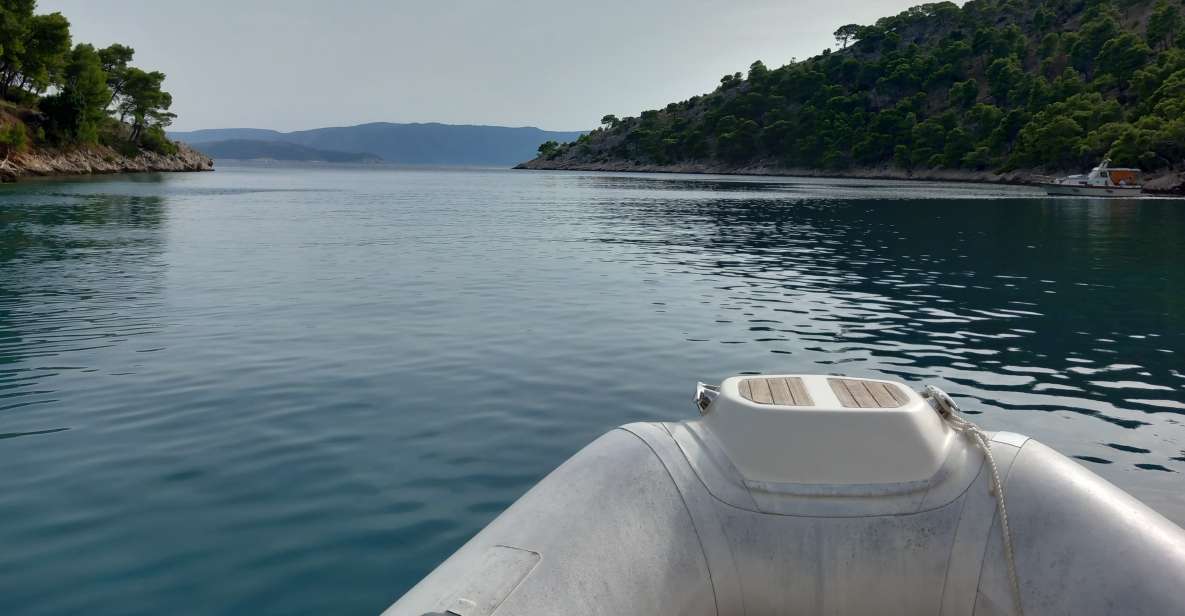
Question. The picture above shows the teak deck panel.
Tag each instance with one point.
(852, 393)
(784, 391)
(862, 394)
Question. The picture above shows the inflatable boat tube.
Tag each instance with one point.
(806, 494)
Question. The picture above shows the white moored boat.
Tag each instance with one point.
(1102, 181)
(806, 494)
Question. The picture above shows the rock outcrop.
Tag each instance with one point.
(1167, 184)
(97, 159)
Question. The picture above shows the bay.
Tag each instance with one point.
(295, 390)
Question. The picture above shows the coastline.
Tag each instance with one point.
(1172, 183)
(98, 160)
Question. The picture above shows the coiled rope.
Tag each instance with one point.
(949, 411)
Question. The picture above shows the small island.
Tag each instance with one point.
(69, 109)
(992, 91)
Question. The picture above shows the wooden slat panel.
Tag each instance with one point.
(897, 394)
(852, 393)
(781, 392)
(798, 391)
(882, 395)
(746, 393)
(862, 394)
(863, 397)
(761, 392)
(841, 392)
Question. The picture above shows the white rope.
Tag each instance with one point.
(949, 410)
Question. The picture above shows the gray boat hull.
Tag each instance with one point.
(651, 518)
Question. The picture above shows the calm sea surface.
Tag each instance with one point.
(296, 390)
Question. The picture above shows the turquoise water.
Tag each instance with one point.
(296, 390)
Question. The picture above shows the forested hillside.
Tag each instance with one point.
(57, 94)
(992, 85)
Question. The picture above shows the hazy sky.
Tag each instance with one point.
(556, 64)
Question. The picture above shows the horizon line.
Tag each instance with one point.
(275, 130)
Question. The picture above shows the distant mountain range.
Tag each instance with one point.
(254, 149)
(411, 144)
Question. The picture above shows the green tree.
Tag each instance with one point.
(47, 48)
(1042, 18)
(964, 93)
(116, 59)
(958, 144)
(953, 53)
(1122, 56)
(929, 138)
(83, 72)
(728, 82)
(869, 37)
(1169, 99)
(1163, 24)
(901, 157)
(76, 112)
(144, 102)
(13, 138)
(1003, 76)
(847, 33)
(740, 142)
(1067, 84)
(1092, 36)
(981, 121)
(15, 18)
(36, 56)
(758, 72)
(996, 83)
(33, 48)
(1054, 143)
(549, 149)
(978, 159)
(1050, 43)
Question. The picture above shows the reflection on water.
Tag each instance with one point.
(1057, 301)
(296, 390)
(80, 273)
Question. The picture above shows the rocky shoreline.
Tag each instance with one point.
(92, 160)
(1164, 184)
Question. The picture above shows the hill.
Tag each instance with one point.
(249, 149)
(1022, 86)
(225, 134)
(73, 108)
(411, 144)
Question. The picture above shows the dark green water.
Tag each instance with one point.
(296, 390)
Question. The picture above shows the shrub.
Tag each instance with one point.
(63, 117)
(13, 137)
(549, 149)
(153, 139)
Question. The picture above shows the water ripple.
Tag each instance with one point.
(277, 390)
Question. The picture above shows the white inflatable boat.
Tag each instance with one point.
(804, 494)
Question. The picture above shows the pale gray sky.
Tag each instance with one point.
(555, 64)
